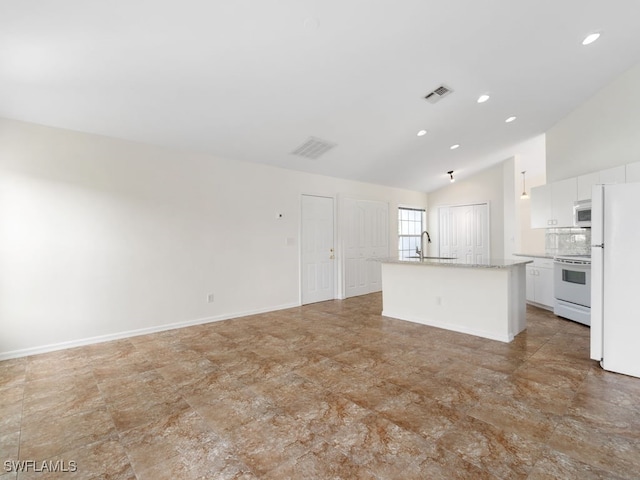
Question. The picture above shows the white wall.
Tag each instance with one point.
(501, 186)
(530, 159)
(484, 187)
(601, 133)
(511, 213)
(101, 238)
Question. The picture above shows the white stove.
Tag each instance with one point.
(574, 259)
(572, 287)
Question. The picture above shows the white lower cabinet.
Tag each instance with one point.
(540, 282)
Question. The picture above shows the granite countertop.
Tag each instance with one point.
(533, 255)
(457, 262)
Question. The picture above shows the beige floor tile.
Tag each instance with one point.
(11, 403)
(329, 390)
(104, 460)
(324, 461)
(589, 444)
(9, 445)
(267, 442)
(515, 416)
(555, 465)
(499, 452)
(41, 439)
(442, 464)
(420, 415)
(13, 372)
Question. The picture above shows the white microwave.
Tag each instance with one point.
(582, 213)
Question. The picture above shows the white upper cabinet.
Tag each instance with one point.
(608, 176)
(540, 206)
(613, 175)
(586, 183)
(552, 204)
(633, 172)
(563, 196)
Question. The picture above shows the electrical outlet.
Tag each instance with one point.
(210, 298)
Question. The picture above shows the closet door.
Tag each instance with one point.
(365, 239)
(464, 232)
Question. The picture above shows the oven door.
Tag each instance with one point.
(572, 282)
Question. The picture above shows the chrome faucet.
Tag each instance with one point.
(422, 244)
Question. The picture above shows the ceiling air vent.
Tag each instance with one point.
(313, 148)
(438, 94)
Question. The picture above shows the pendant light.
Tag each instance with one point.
(524, 190)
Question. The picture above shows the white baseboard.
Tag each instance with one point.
(134, 333)
(446, 326)
(540, 305)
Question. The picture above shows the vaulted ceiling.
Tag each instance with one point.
(255, 79)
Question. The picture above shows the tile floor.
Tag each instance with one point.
(331, 390)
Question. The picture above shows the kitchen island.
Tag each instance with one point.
(486, 299)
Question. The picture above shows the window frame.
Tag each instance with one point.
(410, 233)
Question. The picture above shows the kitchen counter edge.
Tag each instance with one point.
(534, 255)
(498, 263)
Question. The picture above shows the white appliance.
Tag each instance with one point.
(582, 213)
(615, 285)
(572, 287)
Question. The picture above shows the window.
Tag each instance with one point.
(410, 226)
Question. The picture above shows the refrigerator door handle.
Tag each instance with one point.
(600, 245)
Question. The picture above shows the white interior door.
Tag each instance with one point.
(464, 232)
(355, 235)
(365, 230)
(480, 233)
(444, 232)
(317, 253)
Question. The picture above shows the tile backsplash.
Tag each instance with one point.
(567, 241)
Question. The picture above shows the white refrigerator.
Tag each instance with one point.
(615, 277)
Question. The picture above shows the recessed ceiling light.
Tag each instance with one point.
(510, 119)
(483, 98)
(591, 38)
(453, 147)
(421, 133)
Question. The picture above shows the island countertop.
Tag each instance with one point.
(534, 255)
(457, 262)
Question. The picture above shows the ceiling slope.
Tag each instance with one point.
(254, 80)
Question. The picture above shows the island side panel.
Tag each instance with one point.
(518, 303)
(477, 301)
